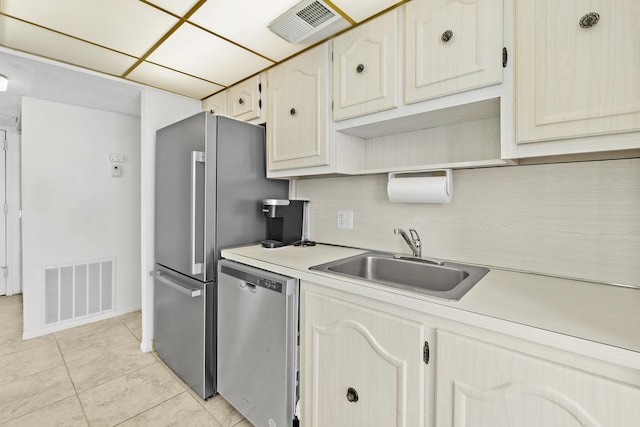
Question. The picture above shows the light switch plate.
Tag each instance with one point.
(116, 158)
(345, 219)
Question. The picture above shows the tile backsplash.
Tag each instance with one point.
(577, 220)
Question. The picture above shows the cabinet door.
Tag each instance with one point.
(297, 124)
(217, 103)
(451, 46)
(575, 80)
(361, 367)
(365, 68)
(243, 99)
(483, 385)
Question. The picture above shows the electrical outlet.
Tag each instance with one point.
(345, 219)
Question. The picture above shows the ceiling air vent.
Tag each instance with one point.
(304, 20)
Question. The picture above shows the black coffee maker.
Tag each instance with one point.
(285, 221)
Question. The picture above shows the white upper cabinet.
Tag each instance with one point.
(451, 46)
(578, 69)
(217, 103)
(365, 68)
(244, 101)
(298, 111)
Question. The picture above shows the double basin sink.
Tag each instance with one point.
(446, 280)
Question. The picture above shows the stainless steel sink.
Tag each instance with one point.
(449, 280)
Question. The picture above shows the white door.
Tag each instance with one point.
(3, 212)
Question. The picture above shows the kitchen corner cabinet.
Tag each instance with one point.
(578, 68)
(365, 68)
(485, 385)
(297, 134)
(244, 99)
(451, 46)
(217, 103)
(361, 366)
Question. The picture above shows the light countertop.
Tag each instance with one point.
(600, 313)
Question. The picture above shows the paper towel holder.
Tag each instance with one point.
(427, 174)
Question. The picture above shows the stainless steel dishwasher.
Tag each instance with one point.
(258, 343)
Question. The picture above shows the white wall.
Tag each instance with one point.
(73, 210)
(574, 219)
(158, 109)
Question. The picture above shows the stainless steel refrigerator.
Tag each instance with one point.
(210, 181)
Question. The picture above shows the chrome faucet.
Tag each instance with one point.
(413, 241)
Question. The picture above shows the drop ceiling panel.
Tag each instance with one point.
(173, 81)
(29, 38)
(128, 26)
(228, 19)
(179, 7)
(359, 10)
(204, 55)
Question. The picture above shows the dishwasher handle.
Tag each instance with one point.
(246, 286)
(191, 292)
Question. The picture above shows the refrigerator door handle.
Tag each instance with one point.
(196, 156)
(192, 292)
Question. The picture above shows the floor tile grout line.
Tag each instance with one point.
(26, 349)
(116, 378)
(71, 380)
(149, 409)
(191, 392)
(128, 328)
(37, 409)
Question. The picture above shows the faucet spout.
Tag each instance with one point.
(413, 241)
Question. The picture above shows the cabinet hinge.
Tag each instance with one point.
(505, 56)
(5, 272)
(260, 87)
(259, 103)
(425, 352)
(331, 105)
(5, 208)
(331, 56)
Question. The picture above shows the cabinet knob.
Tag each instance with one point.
(360, 68)
(292, 111)
(240, 101)
(589, 20)
(446, 36)
(352, 395)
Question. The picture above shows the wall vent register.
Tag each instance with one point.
(74, 291)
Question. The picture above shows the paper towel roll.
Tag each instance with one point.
(427, 189)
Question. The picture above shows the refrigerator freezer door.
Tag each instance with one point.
(183, 328)
(180, 196)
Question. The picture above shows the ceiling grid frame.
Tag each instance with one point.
(192, 82)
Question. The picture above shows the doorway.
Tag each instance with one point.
(3, 214)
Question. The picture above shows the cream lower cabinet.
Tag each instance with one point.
(485, 385)
(578, 68)
(361, 366)
(297, 117)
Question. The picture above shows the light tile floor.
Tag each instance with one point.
(94, 375)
